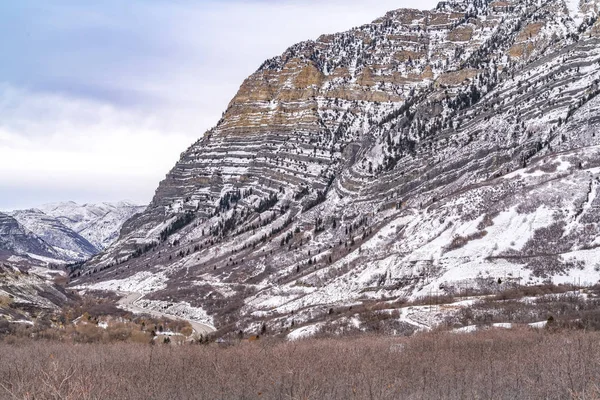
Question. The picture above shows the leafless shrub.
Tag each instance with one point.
(385, 322)
(513, 364)
(433, 299)
(567, 308)
(88, 333)
(461, 241)
(487, 221)
(518, 292)
(545, 266)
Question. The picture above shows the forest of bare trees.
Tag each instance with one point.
(492, 364)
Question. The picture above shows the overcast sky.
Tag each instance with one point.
(98, 99)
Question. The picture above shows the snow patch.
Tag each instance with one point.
(182, 310)
(304, 332)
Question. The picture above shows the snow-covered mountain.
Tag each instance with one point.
(16, 239)
(98, 223)
(66, 242)
(426, 151)
(63, 232)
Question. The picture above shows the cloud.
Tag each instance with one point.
(98, 99)
(53, 142)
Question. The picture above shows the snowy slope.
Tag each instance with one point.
(16, 239)
(97, 223)
(63, 232)
(69, 244)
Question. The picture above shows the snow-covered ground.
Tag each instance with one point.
(141, 282)
(182, 310)
(303, 333)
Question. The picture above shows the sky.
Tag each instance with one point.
(99, 99)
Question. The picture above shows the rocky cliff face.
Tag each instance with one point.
(423, 151)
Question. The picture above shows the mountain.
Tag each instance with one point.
(62, 232)
(428, 151)
(17, 240)
(67, 243)
(97, 223)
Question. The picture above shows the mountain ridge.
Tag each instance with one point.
(65, 241)
(62, 232)
(99, 223)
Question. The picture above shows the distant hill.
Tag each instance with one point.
(63, 232)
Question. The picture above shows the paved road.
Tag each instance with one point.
(128, 303)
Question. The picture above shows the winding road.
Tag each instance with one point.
(128, 303)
